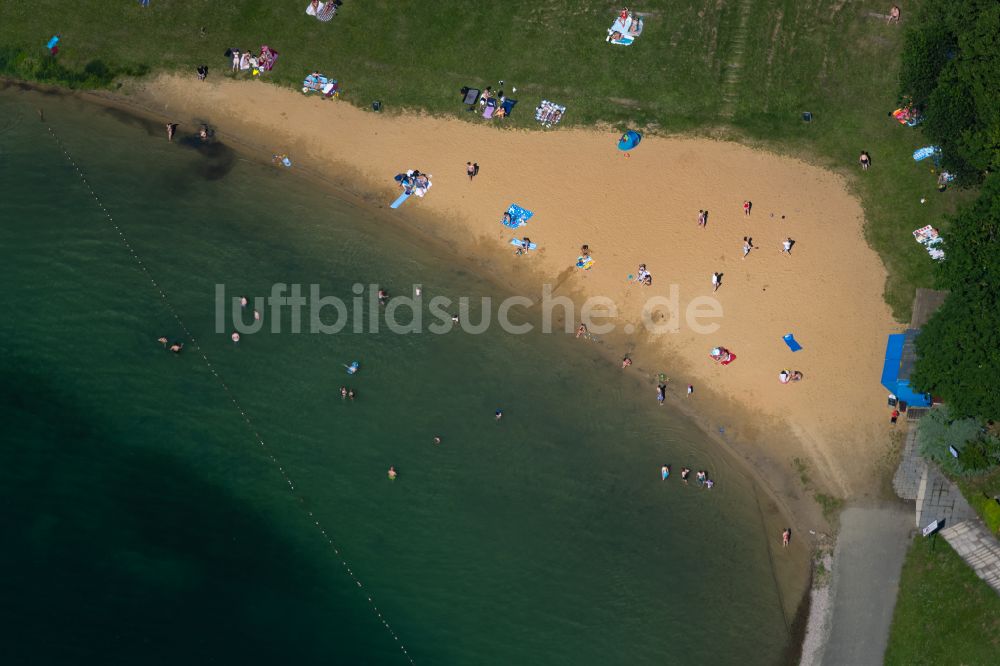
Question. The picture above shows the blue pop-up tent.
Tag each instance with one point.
(629, 140)
(900, 356)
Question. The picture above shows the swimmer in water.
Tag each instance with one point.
(626, 362)
(163, 341)
(383, 296)
(243, 301)
(454, 318)
(343, 392)
(685, 473)
(437, 439)
(256, 316)
(236, 337)
(700, 477)
(709, 483)
(203, 133)
(177, 347)
(499, 415)
(392, 473)
(351, 394)
(665, 472)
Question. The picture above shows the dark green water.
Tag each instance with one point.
(143, 522)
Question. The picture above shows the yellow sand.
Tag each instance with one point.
(643, 208)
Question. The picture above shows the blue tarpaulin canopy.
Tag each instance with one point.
(900, 355)
(629, 140)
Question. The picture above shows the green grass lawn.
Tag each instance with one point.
(944, 614)
(744, 69)
(981, 492)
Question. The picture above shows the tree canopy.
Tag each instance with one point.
(951, 71)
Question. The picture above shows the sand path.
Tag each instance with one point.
(631, 210)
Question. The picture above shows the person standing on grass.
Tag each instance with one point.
(716, 281)
(893, 14)
(747, 245)
(747, 205)
(865, 160)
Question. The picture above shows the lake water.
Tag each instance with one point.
(146, 510)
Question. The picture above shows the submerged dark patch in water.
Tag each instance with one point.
(118, 554)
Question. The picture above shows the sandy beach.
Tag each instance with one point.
(630, 210)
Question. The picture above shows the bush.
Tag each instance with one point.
(977, 452)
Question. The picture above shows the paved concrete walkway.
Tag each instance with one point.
(940, 499)
(867, 563)
(912, 467)
(972, 540)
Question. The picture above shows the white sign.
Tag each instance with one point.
(930, 529)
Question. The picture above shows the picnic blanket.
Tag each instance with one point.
(586, 263)
(907, 116)
(627, 31)
(471, 96)
(549, 113)
(518, 216)
(928, 237)
(507, 106)
(268, 57)
(321, 84)
(925, 152)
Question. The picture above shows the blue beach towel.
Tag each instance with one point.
(520, 243)
(792, 342)
(508, 106)
(518, 216)
(925, 152)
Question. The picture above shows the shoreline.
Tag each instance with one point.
(764, 466)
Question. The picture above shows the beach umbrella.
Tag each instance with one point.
(629, 140)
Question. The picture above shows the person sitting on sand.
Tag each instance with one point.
(796, 376)
(641, 274)
(524, 247)
(507, 219)
(581, 330)
(784, 376)
(584, 250)
(661, 393)
(177, 347)
(626, 362)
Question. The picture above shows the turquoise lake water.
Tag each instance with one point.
(144, 522)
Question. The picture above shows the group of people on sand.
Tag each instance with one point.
(786, 376)
(700, 477)
(643, 276)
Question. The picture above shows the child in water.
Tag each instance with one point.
(392, 473)
(665, 472)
